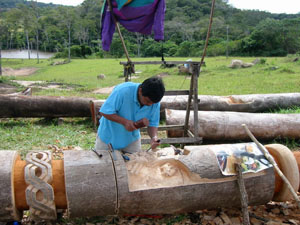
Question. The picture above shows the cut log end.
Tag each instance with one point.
(289, 167)
(297, 157)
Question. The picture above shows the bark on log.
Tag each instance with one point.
(8, 210)
(236, 103)
(97, 185)
(225, 126)
(90, 184)
(297, 157)
(43, 106)
(95, 106)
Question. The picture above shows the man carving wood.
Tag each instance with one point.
(128, 103)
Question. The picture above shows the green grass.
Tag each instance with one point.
(276, 75)
(40, 134)
(215, 79)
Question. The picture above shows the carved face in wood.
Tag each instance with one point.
(153, 172)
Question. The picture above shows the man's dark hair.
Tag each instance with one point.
(153, 88)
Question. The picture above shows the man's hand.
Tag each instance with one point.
(155, 142)
(129, 125)
(141, 123)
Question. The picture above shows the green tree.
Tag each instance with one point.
(67, 19)
(25, 20)
(266, 39)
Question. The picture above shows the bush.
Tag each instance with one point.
(185, 48)
(100, 54)
(60, 55)
(80, 50)
(85, 50)
(75, 51)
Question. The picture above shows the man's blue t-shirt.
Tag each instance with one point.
(124, 102)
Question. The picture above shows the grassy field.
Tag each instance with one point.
(276, 75)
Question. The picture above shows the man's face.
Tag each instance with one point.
(144, 100)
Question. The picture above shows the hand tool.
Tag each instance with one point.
(112, 151)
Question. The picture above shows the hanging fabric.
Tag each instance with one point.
(143, 16)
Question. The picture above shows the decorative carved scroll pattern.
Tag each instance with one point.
(39, 193)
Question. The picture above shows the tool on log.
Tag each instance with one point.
(272, 161)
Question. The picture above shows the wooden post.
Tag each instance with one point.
(195, 95)
(0, 58)
(243, 194)
(126, 73)
(188, 108)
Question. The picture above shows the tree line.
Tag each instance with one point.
(75, 31)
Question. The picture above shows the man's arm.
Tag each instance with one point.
(152, 131)
(128, 124)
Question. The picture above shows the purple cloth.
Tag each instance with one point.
(141, 19)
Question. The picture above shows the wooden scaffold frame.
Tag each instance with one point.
(129, 66)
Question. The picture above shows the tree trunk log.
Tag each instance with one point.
(194, 193)
(95, 106)
(8, 210)
(90, 184)
(236, 103)
(43, 106)
(225, 126)
(98, 185)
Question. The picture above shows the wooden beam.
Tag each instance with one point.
(181, 140)
(176, 92)
(161, 62)
(167, 127)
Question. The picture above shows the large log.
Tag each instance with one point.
(91, 184)
(8, 209)
(46, 106)
(236, 103)
(95, 188)
(226, 126)
(43, 106)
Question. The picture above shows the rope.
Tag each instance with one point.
(162, 52)
(206, 41)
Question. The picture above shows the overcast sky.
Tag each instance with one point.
(63, 2)
(273, 6)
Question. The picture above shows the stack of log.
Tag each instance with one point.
(253, 103)
(226, 114)
(222, 122)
